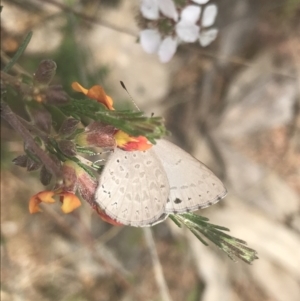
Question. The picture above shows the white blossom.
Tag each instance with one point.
(150, 40)
(163, 36)
(149, 9)
(200, 1)
(191, 13)
(207, 36)
(186, 28)
(167, 7)
(209, 15)
(187, 32)
(167, 49)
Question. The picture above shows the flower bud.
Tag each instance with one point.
(67, 147)
(55, 160)
(21, 160)
(97, 135)
(33, 165)
(68, 127)
(41, 117)
(55, 96)
(45, 72)
(45, 176)
(69, 175)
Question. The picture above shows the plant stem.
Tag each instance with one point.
(14, 81)
(15, 123)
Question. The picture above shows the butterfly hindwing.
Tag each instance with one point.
(133, 188)
(140, 188)
(192, 185)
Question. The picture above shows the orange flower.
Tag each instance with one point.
(96, 92)
(43, 196)
(129, 143)
(123, 140)
(70, 200)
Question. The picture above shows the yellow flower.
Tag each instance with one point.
(43, 196)
(70, 200)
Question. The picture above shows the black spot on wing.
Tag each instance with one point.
(177, 201)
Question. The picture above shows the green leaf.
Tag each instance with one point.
(85, 150)
(199, 225)
(131, 122)
(173, 218)
(19, 52)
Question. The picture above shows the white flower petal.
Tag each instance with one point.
(200, 1)
(167, 49)
(167, 7)
(150, 40)
(149, 9)
(207, 36)
(187, 32)
(209, 15)
(191, 13)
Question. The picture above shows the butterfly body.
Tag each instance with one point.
(140, 188)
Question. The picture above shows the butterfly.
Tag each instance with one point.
(141, 188)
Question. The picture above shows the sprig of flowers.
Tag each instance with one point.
(61, 129)
(166, 24)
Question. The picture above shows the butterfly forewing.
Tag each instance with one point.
(192, 185)
(133, 188)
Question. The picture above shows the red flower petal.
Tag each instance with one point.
(129, 143)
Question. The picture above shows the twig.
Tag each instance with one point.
(15, 123)
(159, 276)
(15, 82)
(34, 129)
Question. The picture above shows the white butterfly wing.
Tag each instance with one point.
(192, 185)
(133, 188)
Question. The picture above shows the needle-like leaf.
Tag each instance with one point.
(235, 248)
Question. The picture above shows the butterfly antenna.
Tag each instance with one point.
(124, 87)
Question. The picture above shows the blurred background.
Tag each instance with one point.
(235, 105)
